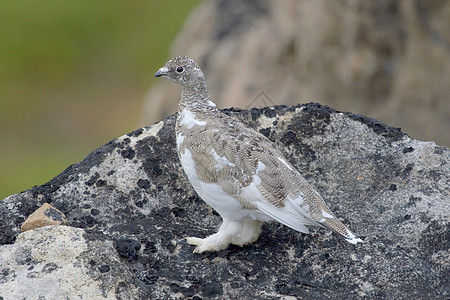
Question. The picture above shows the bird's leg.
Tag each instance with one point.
(251, 229)
(217, 241)
(240, 233)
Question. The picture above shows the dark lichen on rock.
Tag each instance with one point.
(132, 197)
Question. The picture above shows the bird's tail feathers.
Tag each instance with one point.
(340, 229)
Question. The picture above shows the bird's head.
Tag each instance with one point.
(183, 70)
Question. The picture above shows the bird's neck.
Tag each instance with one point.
(194, 97)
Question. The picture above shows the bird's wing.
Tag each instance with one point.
(262, 179)
(247, 159)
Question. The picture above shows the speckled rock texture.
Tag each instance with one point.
(129, 206)
(62, 262)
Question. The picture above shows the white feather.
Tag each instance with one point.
(221, 159)
(188, 119)
(213, 194)
(285, 163)
(326, 215)
(180, 139)
(283, 216)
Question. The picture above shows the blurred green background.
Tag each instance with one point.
(73, 75)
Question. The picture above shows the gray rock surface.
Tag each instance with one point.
(61, 262)
(129, 206)
(387, 59)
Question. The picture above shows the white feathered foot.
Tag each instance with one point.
(239, 233)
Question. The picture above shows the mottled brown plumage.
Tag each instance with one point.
(238, 171)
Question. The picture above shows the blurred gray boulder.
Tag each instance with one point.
(386, 59)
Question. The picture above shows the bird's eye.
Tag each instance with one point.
(180, 69)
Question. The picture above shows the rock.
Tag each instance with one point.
(130, 206)
(46, 215)
(61, 262)
(387, 59)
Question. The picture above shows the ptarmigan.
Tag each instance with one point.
(238, 171)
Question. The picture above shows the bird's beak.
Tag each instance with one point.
(161, 72)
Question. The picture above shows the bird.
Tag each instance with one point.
(238, 171)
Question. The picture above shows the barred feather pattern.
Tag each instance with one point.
(239, 171)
